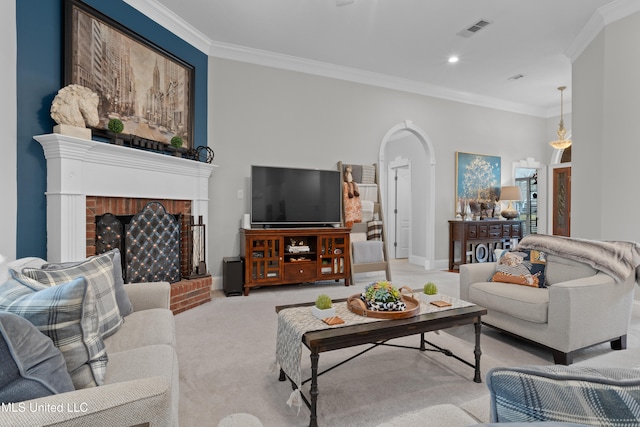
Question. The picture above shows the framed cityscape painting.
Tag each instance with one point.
(138, 82)
(477, 182)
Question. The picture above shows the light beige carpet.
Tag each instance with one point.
(226, 351)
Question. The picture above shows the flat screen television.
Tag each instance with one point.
(290, 197)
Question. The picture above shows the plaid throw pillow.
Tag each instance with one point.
(67, 314)
(569, 394)
(122, 298)
(98, 271)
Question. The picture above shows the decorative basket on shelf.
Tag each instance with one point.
(383, 300)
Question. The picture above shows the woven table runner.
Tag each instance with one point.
(296, 321)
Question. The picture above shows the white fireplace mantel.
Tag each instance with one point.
(77, 168)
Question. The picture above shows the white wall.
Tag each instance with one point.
(607, 147)
(586, 152)
(262, 115)
(8, 112)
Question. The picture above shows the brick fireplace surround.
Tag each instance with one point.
(88, 178)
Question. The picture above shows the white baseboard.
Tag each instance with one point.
(216, 283)
(441, 264)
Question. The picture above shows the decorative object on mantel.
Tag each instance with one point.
(176, 142)
(510, 193)
(384, 301)
(73, 109)
(562, 142)
(116, 126)
(204, 152)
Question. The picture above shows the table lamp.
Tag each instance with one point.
(510, 193)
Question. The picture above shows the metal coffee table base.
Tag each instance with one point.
(315, 356)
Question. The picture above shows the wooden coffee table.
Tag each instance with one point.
(378, 333)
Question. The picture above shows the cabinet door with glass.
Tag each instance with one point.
(265, 258)
(333, 255)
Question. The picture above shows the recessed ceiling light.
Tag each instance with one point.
(453, 59)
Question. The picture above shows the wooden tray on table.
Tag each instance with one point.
(357, 306)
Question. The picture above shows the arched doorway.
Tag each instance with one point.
(422, 230)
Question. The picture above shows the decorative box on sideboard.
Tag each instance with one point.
(475, 241)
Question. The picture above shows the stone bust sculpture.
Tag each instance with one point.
(75, 105)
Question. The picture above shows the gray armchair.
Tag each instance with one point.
(580, 307)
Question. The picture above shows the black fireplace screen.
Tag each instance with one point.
(148, 240)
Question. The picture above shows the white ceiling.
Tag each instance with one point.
(405, 44)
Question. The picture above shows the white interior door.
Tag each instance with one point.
(399, 209)
(403, 214)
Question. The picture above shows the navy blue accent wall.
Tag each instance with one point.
(40, 29)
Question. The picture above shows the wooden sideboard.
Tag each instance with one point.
(294, 255)
(475, 241)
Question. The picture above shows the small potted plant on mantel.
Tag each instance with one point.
(323, 307)
(176, 142)
(116, 126)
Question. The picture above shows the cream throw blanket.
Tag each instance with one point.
(617, 259)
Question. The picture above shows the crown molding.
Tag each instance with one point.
(324, 69)
(172, 22)
(601, 18)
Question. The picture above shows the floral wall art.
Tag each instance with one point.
(477, 184)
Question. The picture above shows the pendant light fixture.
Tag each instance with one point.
(561, 143)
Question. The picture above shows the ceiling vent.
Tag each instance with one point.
(473, 29)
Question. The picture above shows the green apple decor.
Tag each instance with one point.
(430, 288)
(431, 291)
(323, 307)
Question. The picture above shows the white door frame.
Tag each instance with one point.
(430, 163)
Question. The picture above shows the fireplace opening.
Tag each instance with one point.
(149, 242)
(155, 245)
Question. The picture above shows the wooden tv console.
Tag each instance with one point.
(294, 255)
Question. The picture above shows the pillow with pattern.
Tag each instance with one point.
(374, 230)
(98, 272)
(67, 314)
(522, 267)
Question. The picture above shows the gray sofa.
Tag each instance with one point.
(580, 307)
(141, 380)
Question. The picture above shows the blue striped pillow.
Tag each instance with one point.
(67, 314)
